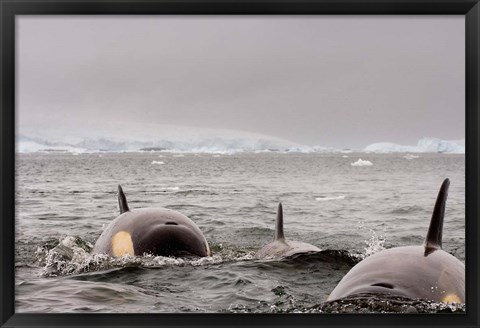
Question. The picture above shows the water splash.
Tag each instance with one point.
(375, 243)
(71, 255)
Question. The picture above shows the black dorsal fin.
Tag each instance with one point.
(279, 226)
(122, 201)
(433, 240)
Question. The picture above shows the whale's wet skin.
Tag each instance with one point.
(151, 231)
(421, 272)
(64, 202)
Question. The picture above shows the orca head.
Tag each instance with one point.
(170, 239)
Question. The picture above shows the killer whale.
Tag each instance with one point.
(155, 230)
(282, 247)
(419, 272)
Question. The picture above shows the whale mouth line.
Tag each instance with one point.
(383, 284)
(171, 223)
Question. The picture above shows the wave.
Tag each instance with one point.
(361, 303)
(327, 198)
(72, 255)
(383, 303)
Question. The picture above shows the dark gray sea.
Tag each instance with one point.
(64, 200)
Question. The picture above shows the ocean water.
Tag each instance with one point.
(64, 200)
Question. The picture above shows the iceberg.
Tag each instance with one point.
(424, 145)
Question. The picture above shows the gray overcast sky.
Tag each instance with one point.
(337, 81)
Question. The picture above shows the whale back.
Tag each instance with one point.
(281, 247)
(425, 272)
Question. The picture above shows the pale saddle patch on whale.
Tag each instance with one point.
(122, 244)
(282, 247)
(419, 272)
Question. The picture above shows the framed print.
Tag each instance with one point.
(227, 163)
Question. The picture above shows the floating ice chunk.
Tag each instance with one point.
(324, 199)
(410, 156)
(157, 163)
(361, 162)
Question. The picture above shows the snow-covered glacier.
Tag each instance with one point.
(146, 137)
(130, 137)
(424, 145)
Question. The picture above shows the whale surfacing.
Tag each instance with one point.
(419, 272)
(282, 247)
(156, 231)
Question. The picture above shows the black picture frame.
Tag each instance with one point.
(10, 8)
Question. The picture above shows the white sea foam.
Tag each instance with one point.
(361, 162)
(72, 256)
(324, 199)
(157, 163)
